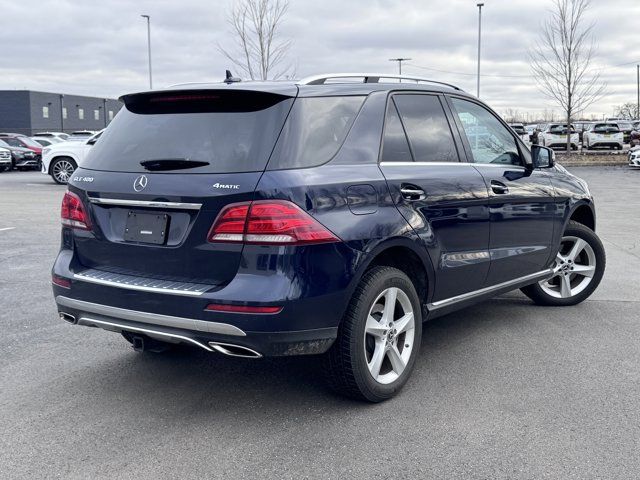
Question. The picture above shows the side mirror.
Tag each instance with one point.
(542, 157)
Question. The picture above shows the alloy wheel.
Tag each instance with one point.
(62, 170)
(389, 335)
(573, 270)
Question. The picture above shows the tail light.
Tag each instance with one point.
(268, 222)
(73, 213)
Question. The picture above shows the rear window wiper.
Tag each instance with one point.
(162, 164)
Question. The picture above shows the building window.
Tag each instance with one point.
(110, 115)
(45, 112)
(64, 112)
(96, 114)
(81, 113)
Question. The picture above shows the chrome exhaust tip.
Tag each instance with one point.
(234, 350)
(67, 317)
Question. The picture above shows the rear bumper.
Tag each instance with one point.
(312, 305)
(606, 143)
(207, 335)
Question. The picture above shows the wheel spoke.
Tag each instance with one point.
(397, 363)
(584, 270)
(374, 327)
(403, 322)
(565, 286)
(389, 305)
(376, 359)
(576, 249)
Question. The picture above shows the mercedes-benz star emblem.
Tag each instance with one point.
(140, 183)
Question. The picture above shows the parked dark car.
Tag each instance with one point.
(21, 158)
(323, 216)
(626, 128)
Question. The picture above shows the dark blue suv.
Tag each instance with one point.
(327, 216)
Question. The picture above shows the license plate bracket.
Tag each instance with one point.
(145, 227)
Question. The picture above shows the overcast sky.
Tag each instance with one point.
(99, 47)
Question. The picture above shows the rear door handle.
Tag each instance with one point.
(412, 193)
(499, 187)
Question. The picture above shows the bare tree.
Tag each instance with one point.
(561, 59)
(628, 111)
(258, 52)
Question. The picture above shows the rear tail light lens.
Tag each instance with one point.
(73, 213)
(216, 307)
(268, 222)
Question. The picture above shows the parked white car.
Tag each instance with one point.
(5, 159)
(47, 141)
(604, 135)
(555, 135)
(62, 159)
(634, 157)
(59, 135)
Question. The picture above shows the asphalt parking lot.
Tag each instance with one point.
(502, 390)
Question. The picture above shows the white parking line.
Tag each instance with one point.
(7, 228)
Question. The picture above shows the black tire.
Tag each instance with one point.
(345, 364)
(59, 162)
(150, 344)
(574, 229)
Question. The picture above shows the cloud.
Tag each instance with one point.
(99, 48)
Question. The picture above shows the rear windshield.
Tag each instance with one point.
(606, 128)
(560, 129)
(231, 131)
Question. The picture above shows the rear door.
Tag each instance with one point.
(443, 199)
(521, 201)
(161, 173)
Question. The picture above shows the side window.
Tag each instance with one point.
(314, 131)
(427, 127)
(395, 146)
(490, 141)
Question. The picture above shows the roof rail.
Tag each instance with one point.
(368, 78)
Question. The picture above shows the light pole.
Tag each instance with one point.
(480, 5)
(149, 48)
(62, 113)
(638, 98)
(399, 60)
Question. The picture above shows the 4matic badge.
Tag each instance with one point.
(227, 186)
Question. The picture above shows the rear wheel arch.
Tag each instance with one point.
(406, 256)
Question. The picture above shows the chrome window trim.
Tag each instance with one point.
(477, 293)
(145, 203)
(442, 164)
(435, 164)
(150, 318)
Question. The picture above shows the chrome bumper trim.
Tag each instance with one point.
(149, 318)
(145, 203)
(477, 293)
(92, 322)
(143, 284)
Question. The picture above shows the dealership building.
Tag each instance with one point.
(29, 112)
